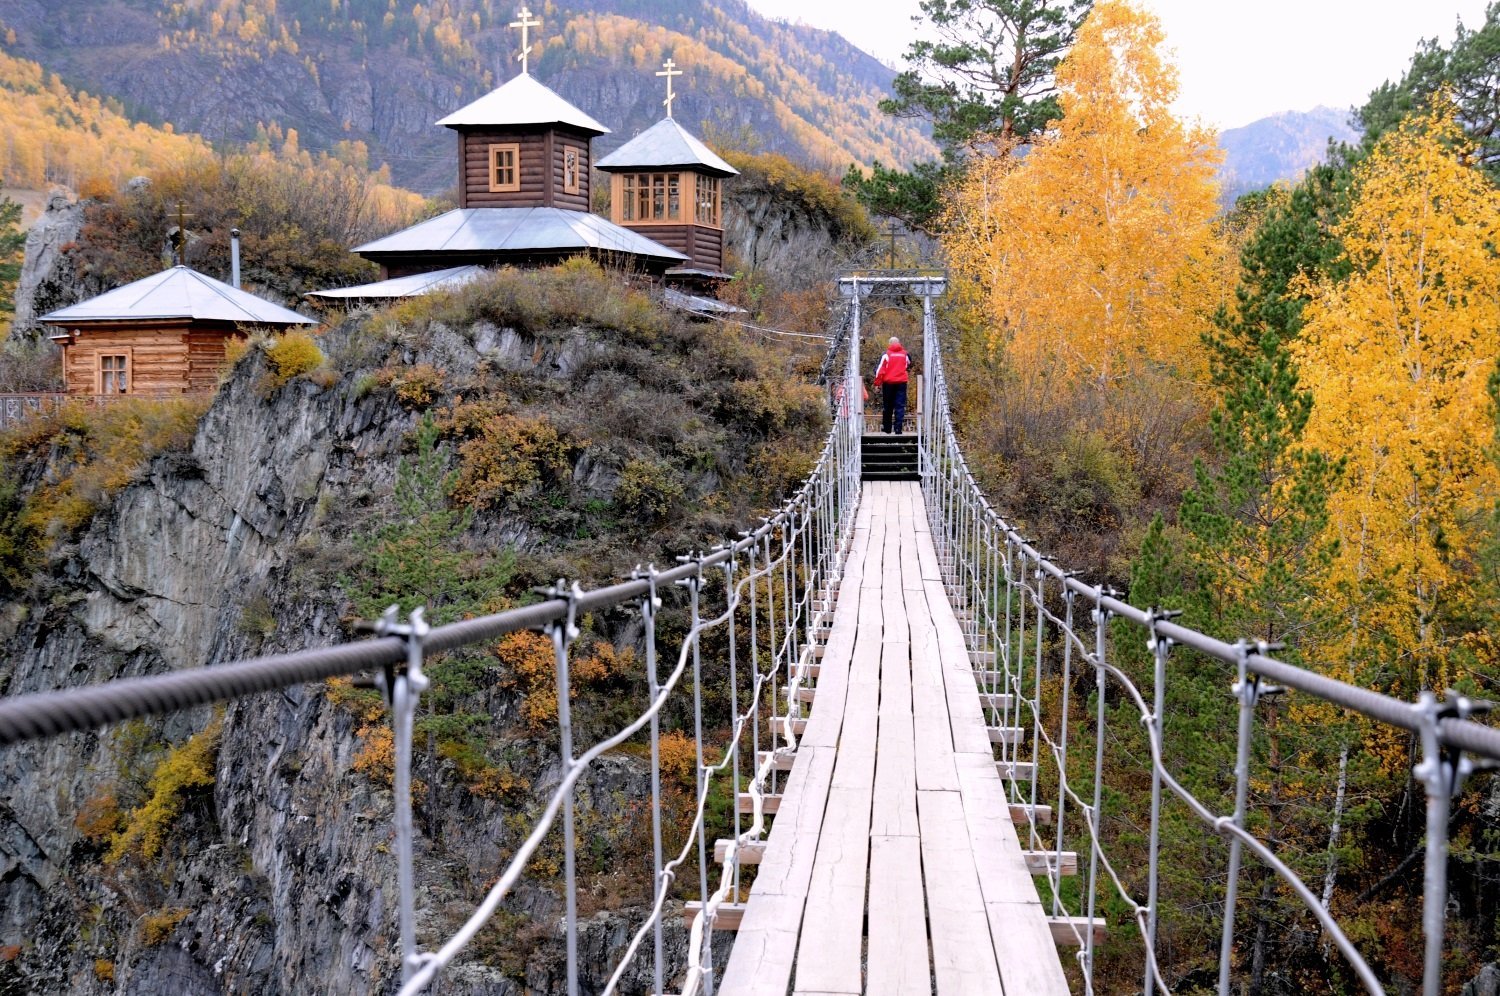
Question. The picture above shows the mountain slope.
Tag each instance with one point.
(1279, 147)
(335, 70)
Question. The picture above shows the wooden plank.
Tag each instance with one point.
(1016, 918)
(995, 700)
(749, 853)
(1042, 862)
(784, 759)
(1021, 813)
(766, 945)
(1021, 771)
(728, 916)
(895, 809)
(930, 722)
(963, 956)
(1066, 930)
(1006, 734)
(770, 803)
(830, 949)
(898, 958)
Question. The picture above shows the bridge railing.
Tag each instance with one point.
(767, 593)
(1019, 599)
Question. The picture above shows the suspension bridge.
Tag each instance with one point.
(886, 643)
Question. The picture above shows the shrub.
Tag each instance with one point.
(648, 490)
(533, 662)
(292, 354)
(504, 457)
(104, 970)
(159, 926)
(92, 452)
(376, 758)
(99, 818)
(185, 768)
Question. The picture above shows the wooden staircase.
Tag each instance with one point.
(889, 457)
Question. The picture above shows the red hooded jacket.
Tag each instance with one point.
(892, 368)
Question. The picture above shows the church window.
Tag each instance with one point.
(707, 207)
(505, 168)
(572, 182)
(651, 197)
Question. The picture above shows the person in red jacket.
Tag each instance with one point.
(890, 377)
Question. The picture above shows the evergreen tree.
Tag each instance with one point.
(12, 243)
(1468, 71)
(990, 73)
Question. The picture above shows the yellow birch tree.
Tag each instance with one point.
(1397, 358)
(1094, 257)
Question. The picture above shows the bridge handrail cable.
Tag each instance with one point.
(1004, 577)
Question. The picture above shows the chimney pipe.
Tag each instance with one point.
(234, 258)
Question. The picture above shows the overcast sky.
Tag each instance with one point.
(1239, 62)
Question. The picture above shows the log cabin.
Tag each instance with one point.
(165, 334)
(666, 184)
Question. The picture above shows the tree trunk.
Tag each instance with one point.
(1333, 835)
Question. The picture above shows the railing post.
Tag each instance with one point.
(1062, 739)
(694, 585)
(1442, 774)
(650, 605)
(1159, 646)
(1096, 844)
(403, 689)
(563, 632)
(1248, 690)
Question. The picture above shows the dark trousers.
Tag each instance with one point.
(893, 396)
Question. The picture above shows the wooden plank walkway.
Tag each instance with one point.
(892, 864)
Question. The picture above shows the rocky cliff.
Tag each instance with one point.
(275, 875)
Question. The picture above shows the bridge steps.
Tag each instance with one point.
(893, 860)
(889, 457)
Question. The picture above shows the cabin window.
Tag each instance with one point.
(651, 197)
(114, 373)
(505, 168)
(571, 182)
(708, 200)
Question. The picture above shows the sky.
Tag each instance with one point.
(1237, 62)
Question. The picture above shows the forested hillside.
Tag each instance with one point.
(1280, 422)
(378, 73)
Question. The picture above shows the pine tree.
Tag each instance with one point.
(12, 243)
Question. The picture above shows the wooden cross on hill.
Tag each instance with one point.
(526, 23)
(670, 70)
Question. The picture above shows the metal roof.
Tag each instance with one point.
(696, 302)
(665, 143)
(414, 285)
(522, 101)
(518, 230)
(178, 293)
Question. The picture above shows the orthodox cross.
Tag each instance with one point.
(891, 231)
(526, 23)
(670, 70)
(179, 238)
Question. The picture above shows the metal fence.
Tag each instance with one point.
(769, 593)
(1018, 599)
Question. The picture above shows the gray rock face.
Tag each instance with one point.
(280, 878)
(48, 281)
(1486, 983)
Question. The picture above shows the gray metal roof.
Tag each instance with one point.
(664, 144)
(522, 101)
(518, 230)
(682, 301)
(177, 293)
(414, 285)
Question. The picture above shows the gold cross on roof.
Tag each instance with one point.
(526, 23)
(669, 70)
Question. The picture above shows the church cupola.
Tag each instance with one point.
(667, 185)
(522, 145)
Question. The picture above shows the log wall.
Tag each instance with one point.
(542, 157)
(171, 359)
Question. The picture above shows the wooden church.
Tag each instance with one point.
(666, 184)
(165, 334)
(525, 159)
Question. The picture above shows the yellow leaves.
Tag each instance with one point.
(1397, 358)
(1095, 257)
(186, 767)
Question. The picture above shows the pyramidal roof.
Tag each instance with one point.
(522, 101)
(665, 143)
(518, 230)
(179, 292)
